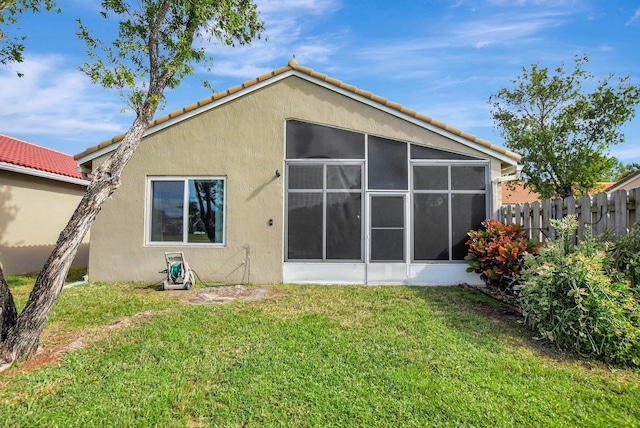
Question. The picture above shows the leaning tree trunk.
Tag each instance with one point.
(23, 337)
(8, 313)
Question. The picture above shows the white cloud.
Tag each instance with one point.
(288, 28)
(635, 18)
(52, 99)
(279, 7)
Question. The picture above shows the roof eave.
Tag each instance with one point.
(293, 68)
(42, 174)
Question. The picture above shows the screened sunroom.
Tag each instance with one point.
(360, 208)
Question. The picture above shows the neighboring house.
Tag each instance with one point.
(631, 181)
(297, 177)
(39, 190)
(517, 193)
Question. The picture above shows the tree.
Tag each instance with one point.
(622, 170)
(155, 46)
(11, 48)
(562, 133)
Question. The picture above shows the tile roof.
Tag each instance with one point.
(516, 193)
(294, 66)
(28, 155)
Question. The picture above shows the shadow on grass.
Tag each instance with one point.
(481, 318)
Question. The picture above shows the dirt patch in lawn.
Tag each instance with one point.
(227, 294)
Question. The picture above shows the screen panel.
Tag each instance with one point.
(430, 177)
(304, 226)
(312, 141)
(468, 213)
(468, 177)
(388, 165)
(430, 226)
(344, 226)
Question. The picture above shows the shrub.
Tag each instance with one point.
(624, 258)
(497, 253)
(567, 296)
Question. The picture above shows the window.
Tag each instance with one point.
(340, 183)
(324, 211)
(448, 201)
(187, 210)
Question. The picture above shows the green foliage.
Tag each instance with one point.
(624, 258)
(622, 170)
(156, 43)
(11, 11)
(568, 297)
(562, 133)
(497, 253)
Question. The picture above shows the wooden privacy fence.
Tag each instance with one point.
(601, 213)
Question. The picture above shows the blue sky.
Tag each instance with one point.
(441, 58)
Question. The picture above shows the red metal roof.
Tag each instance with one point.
(29, 155)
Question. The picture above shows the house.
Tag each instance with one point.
(298, 177)
(631, 181)
(39, 190)
(517, 193)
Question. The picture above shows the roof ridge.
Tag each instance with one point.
(293, 65)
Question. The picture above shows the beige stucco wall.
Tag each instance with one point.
(33, 212)
(242, 140)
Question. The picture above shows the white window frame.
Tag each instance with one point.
(185, 211)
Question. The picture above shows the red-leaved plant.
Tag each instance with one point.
(497, 253)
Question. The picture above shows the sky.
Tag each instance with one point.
(441, 58)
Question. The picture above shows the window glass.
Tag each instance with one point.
(304, 234)
(311, 141)
(468, 212)
(344, 177)
(204, 217)
(388, 168)
(430, 177)
(423, 152)
(305, 176)
(206, 211)
(431, 226)
(468, 178)
(344, 226)
(167, 211)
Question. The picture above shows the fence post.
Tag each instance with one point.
(526, 219)
(570, 204)
(620, 215)
(536, 223)
(585, 218)
(600, 222)
(634, 198)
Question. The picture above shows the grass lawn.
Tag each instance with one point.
(306, 356)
